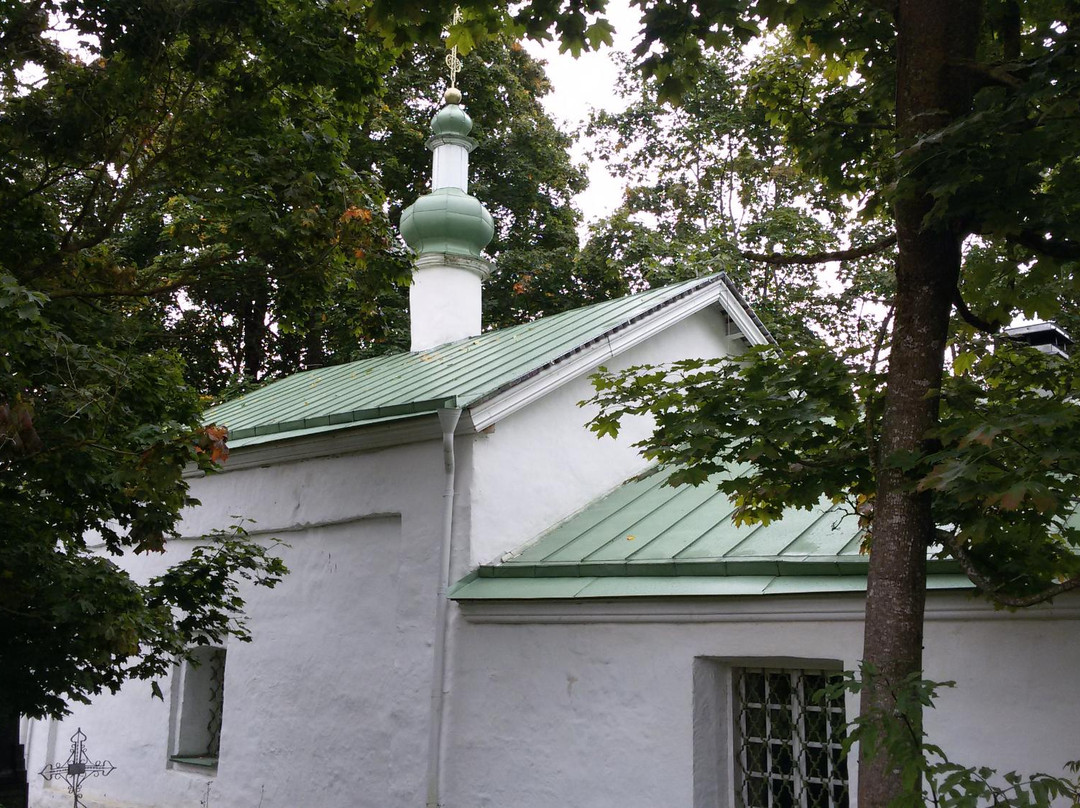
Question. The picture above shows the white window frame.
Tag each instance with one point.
(197, 710)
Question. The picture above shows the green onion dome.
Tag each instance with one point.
(447, 220)
(451, 120)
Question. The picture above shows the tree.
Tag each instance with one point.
(958, 119)
(265, 321)
(711, 183)
(184, 144)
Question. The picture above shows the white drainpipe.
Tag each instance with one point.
(448, 420)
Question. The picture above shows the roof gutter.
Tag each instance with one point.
(448, 420)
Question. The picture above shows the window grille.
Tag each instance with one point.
(215, 698)
(789, 740)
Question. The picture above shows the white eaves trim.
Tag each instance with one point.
(572, 365)
(834, 607)
(737, 311)
(335, 440)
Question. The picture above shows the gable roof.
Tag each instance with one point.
(648, 539)
(458, 374)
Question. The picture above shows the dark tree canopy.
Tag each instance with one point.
(183, 145)
(257, 326)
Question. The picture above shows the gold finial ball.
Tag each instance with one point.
(452, 95)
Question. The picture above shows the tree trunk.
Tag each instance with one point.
(931, 36)
(13, 785)
(253, 321)
(314, 350)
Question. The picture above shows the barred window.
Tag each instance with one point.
(201, 685)
(788, 740)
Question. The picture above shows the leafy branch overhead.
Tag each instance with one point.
(94, 444)
(785, 429)
(789, 429)
(176, 147)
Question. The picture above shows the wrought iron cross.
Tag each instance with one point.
(453, 61)
(77, 767)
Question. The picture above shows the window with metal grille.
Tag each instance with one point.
(202, 699)
(788, 740)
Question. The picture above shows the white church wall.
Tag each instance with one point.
(597, 701)
(328, 706)
(540, 464)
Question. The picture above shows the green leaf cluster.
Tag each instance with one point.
(259, 321)
(95, 438)
(928, 775)
(788, 428)
(784, 429)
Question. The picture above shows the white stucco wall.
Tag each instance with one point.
(594, 705)
(330, 701)
(540, 464)
(329, 705)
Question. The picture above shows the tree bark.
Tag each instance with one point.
(14, 791)
(931, 36)
(253, 321)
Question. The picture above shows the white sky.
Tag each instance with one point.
(588, 83)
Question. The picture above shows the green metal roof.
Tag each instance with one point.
(647, 539)
(458, 374)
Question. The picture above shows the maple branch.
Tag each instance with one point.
(1066, 249)
(989, 588)
(873, 248)
(971, 318)
(171, 286)
(990, 74)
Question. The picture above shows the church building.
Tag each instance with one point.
(490, 607)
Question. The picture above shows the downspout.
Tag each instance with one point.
(448, 420)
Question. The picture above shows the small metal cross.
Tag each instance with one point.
(452, 59)
(77, 767)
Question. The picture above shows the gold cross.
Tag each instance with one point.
(452, 59)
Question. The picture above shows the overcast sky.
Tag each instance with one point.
(584, 83)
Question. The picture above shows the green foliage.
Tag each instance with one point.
(94, 441)
(196, 146)
(719, 178)
(817, 104)
(246, 327)
(186, 144)
(786, 429)
(1004, 465)
(790, 428)
(928, 775)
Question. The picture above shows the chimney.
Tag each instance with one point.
(447, 229)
